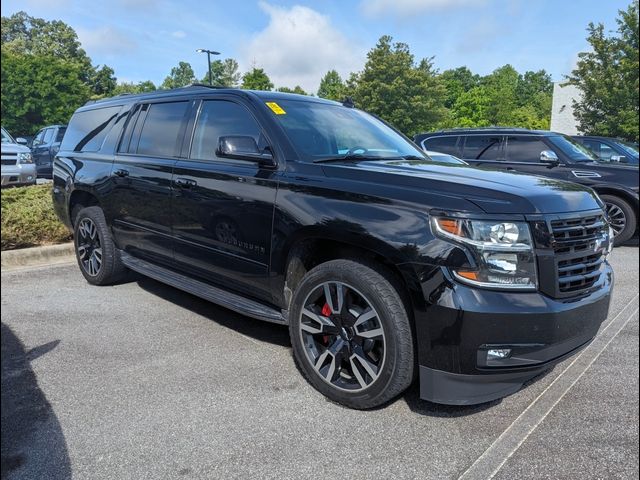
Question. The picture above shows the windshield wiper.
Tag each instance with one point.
(347, 158)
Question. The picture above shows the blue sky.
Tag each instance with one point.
(296, 42)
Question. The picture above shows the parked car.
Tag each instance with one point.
(313, 214)
(548, 154)
(17, 162)
(445, 158)
(610, 149)
(44, 147)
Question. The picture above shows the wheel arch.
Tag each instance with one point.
(80, 198)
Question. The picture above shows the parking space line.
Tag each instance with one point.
(498, 453)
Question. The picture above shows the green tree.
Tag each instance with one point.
(103, 81)
(332, 87)
(297, 89)
(180, 76)
(458, 81)
(409, 96)
(224, 73)
(39, 90)
(608, 79)
(131, 87)
(256, 79)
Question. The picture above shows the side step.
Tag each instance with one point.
(203, 290)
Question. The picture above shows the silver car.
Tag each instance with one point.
(17, 163)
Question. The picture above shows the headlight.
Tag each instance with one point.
(25, 157)
(502, 252)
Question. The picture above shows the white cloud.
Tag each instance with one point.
(107, 40)
(298, 46)
(407, 8)
(178, 34)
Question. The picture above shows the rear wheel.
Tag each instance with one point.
(351, 335)
(97, 255)
(621, 217)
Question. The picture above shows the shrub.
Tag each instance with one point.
(28, 218)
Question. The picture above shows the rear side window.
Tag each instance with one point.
(483, 147)
(525, 149)
(159, 132)
(448, 145)
(220, 118)
(88, 129)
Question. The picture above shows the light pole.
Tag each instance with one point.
(209, 53)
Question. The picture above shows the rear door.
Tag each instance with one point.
(141, 178)
(223, 208)
(483, 150)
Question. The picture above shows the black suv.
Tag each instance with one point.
(384, 265)
(548, 154)
(44, 147)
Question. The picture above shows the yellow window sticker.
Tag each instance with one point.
(275, 108)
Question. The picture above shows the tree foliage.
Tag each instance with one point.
(297, 89)
(256, 79)
(39, 90)
(332, 87)
(408, 95)
(180, 76)
(223, 73)
(608, 79)
(131, 87)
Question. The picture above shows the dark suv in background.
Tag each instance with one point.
(44, 146)
(610, 149)
(384, 265)
(548, 154)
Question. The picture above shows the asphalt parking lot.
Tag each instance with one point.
(142, 381)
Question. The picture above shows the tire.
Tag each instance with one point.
(363, 355)
(622, 217)
(90, 236)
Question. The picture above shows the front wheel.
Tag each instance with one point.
(351, 334)
(621, 217)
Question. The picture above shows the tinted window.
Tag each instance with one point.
(87, 130)
(443, 145)
(60, 134)
(483, 147)
(159, 133)
(571, 148)
(48, 136)
(525, 149)
(218, 119)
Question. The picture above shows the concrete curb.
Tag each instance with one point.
(50, 254)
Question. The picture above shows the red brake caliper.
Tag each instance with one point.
(326, 311)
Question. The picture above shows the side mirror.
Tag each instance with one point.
(21, 141)
(550, 157)
(243, 148)
(618, 158)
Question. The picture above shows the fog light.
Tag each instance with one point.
(498, 353)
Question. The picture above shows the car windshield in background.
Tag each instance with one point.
(322, 131)
(630, 148)
(6, 138)
(572, 149)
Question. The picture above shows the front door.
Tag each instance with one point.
(41, 151)
(223, 208)
(141, 179)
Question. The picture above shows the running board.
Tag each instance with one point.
(216, 295)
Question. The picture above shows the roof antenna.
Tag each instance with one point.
(348, 102)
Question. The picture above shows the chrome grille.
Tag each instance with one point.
(580, 246)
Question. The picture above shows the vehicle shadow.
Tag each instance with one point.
(256, 329)
(33, 444)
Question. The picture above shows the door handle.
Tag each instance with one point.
(121, 172)
(185, 183)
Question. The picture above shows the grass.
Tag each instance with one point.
(28, 219)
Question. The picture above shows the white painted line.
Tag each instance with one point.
(494, 457)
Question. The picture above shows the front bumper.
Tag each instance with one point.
(24, 174)
(460, 324)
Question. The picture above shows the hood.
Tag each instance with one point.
(492, 191)
(14, 148)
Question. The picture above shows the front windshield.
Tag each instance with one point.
(572, 149)
(321, 131)
(6, 138)
(630, 148)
